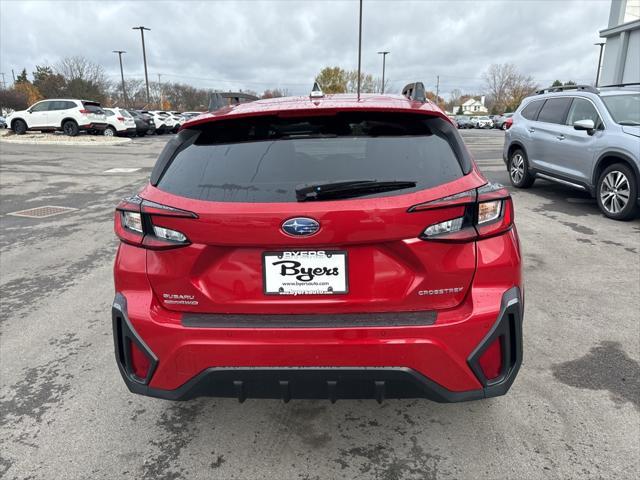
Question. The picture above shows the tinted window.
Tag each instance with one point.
(582, 109)
(554, 110)
(108, 113)
(93, 107)
(41, 107)
(530, 112)
(264, 159)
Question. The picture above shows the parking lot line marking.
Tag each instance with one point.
(121, 170)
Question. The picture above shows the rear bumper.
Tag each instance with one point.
(332, 363)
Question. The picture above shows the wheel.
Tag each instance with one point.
(70, 128)
(617, 191)
(19, 126)
(109, 131)
(519, 170)
(142, 134)
(504, 126)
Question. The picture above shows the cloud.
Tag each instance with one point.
(261, 44)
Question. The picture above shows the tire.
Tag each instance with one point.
(142, 134)
(19, 127)
(518, 169)
(70, 128)
(109, 131)
(617, 192)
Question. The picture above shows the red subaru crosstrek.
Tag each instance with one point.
(318, 247)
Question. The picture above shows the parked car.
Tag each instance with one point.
(119, 122)
(188, 115)
(581, 137)
(144, 123)
(69, 115)
(158, 120)
(3, 122)
(463, 122)
(481, 122)
(263, 260)
(499, 121)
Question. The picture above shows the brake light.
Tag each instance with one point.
(488, 211)
(84, 111)
(120, 119)
(133, 224)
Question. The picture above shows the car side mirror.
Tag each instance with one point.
(29, 110)
(586, 124)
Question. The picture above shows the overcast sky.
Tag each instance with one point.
(267, 44)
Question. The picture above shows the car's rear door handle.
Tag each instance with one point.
(560, 137)
(531, 130)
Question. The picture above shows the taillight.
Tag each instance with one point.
(133, 224)
(84, 111)
(120, 119)
(488, 211)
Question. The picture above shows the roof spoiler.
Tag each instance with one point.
(415, 91)
(217, 100)
(562, 88)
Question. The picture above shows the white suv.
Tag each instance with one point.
(119, 122)
(70, 116)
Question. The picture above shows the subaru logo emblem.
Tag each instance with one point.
(300, 226)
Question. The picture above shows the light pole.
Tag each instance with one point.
(144, 57)
(359, 48)
(124, 91)
(599, 63)
(384, 57)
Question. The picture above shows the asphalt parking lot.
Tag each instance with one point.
(573, 412)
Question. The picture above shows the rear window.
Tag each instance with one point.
(530, 112)
(92, 107)
(264, 159)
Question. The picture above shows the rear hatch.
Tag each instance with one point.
(93, 111)
(309, 215)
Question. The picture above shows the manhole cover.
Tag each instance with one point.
(42, 212)
(121, 170)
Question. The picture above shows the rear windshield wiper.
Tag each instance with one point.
(348, 189)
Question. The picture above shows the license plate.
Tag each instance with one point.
(318, 272)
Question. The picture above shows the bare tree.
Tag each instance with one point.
(84, 79)
(506, 87)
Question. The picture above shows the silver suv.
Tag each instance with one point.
(582, 137)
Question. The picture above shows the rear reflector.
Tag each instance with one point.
(491, 360)
(139, 362)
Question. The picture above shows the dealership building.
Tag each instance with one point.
(621, 58)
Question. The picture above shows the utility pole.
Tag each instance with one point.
(124, 91)
(384, 57)
(437, 87)
(599, 63)
(160, 88)
(359, 49)
(14, 75)
(4, 84)
(144, 57)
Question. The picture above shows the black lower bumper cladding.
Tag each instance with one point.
(330, 383)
